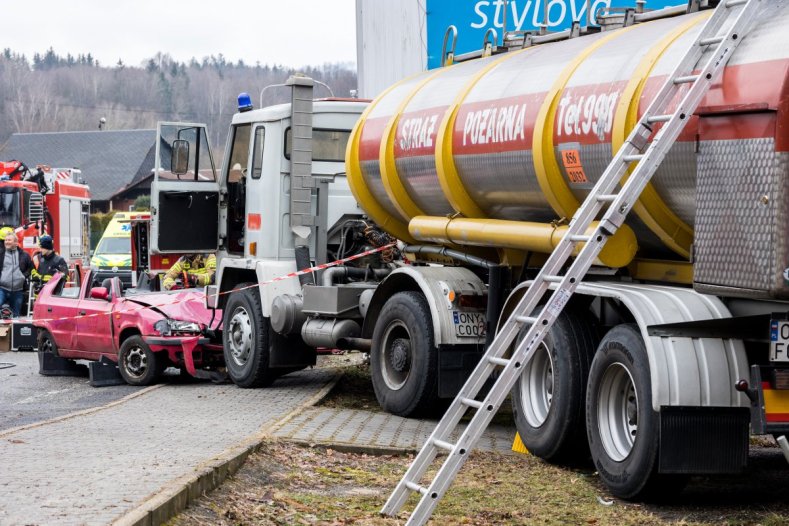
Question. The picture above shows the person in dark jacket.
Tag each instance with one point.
(47, 262)
(15, 267)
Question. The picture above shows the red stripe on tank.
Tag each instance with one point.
(501, 125)
(370, 139)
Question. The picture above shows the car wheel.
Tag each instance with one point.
(623, 429)
(138, 365)
(403, 358)
(245, 338)
(46, 343)
(548, 400)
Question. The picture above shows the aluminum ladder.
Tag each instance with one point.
(688, 85)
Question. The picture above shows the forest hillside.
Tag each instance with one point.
(49, 92)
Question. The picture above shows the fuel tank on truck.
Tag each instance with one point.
(524, 136)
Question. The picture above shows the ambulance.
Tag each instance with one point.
(112, 256)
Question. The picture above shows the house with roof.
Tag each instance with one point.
(116, 164)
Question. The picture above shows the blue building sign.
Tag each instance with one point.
(474, 17)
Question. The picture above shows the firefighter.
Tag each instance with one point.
(46, 262)
(196, 270)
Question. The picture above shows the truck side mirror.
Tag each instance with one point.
(100, 293)
(179, 161)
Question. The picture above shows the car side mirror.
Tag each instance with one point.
(179, 161)
(100, 293)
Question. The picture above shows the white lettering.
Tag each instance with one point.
(495, 125)
(522, 18)
(592, 114)
(497, 22)
(417, 132)
(483, 18)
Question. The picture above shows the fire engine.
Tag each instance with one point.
(46, 200)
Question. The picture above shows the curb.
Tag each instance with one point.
(176, 495)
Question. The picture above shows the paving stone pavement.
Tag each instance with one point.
(95, 467)
(366, 430)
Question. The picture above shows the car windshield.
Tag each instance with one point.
(114, 245)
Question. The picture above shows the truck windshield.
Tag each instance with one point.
(9, 207)
(327, 145)
(114, 245)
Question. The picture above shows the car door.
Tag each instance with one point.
(59, 307)
(94, 326)
(184, 192)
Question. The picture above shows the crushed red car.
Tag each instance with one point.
(143, 332)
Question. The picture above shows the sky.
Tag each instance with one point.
(286, 32)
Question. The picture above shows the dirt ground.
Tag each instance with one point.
(287, 484)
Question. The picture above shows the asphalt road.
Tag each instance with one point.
(26, 397)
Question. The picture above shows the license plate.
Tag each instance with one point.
(779, 341)
(469, 324)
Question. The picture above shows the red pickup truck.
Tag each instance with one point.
(143, 332)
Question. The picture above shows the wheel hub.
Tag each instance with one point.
(399, 357)
(617, 412)
(536, 387)
(136, 361)
(240, 332)
(395, 358)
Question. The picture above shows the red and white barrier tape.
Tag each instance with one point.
(254, 285)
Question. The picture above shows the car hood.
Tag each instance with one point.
(184, 305)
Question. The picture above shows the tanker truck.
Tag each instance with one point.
(671, 350)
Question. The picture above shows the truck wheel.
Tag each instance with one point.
(245, 338)
(622, 428)
(46, 343)
(403, 358)
(137, 364)
(548, 400)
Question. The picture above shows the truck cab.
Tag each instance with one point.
(242, 213)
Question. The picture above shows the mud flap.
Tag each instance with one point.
(704, 440)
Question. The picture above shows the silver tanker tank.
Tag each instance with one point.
(467, 153)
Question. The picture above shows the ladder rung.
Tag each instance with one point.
(580, 239)
(553, 279)
(608, 198)
(632, 158)
(443, 445)
(686, 80)
(499, 361)
(476, 404)
(525, 319)
(710, 41)
(659, 118)
(413, 486)
(735, 3)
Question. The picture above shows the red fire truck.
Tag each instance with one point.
(46, 200)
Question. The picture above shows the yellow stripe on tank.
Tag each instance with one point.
(651, 208)
(448, 176)
(392, 184)
(546, 167)
(358, 185)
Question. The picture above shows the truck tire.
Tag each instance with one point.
(245, 338)
(46, 343)
(622, 427)
(137, 364)
(403, 358)
(548, 400)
